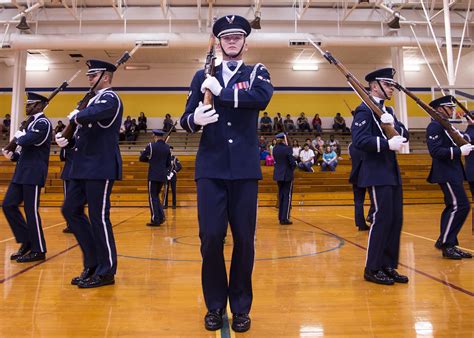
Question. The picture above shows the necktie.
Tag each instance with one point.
(381, 104)
(231, 65)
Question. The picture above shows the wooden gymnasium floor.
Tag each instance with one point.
(307, 281)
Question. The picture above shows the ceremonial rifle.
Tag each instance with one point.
(168, 133)
(12, 145)
(68, 133)
(210, 66)
(360, 90)
(453, 132)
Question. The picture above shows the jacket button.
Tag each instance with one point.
(75, 149)
(90, 125)
(229, 123)
(231, 140)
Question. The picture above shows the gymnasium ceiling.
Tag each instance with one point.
(354, 30)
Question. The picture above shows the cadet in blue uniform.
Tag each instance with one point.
(65, 155)
(171, 180)
(285, 164)
(379, 172)
(447, 170)
(96, 165)
(158, 156)
(228, 170)
(32, 159)
(359, 192)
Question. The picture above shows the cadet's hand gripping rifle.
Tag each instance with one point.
(453, 132)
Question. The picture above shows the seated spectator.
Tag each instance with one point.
(303, 123)
(168, 123)
(329, 160)
(131, 134)
(5, 126)
(266, 123)
(289, 124)
(340, 124)
(262, 145)
(296, 150)
(307, 159)
(142, 122)
(278, 123)
(317, 124)
(122, 134)
(127, 123)
(316, 147)
(59, 127)
(334, 144)
(269, 160)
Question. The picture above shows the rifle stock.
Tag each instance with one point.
(359, 89)
(210, 67)
(453, 132)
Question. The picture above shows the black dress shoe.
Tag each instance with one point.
(162, 221)
(286, 222)
(378, 277)
(165, 207)
(397, 278)
(451, 253)
(87, 273)
(31, 257)
(152, 224)
(438, 245)
(463, 254)
(369, 220)
(96, 281)
(24, 248)
(67, 230)
(213, 319)
(241, 322)
(364, 228)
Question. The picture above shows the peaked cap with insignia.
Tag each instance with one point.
(446, 100)
(231, 24)
(34, 98)
(96, 66)
(384, 74)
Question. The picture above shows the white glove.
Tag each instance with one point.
(60, 140)
(204, 115)
(8, 154)
(387, 118)
(466, 149)
(396, 143)
(72, 114)
(212, 84)
(19, 133)
(170, 176)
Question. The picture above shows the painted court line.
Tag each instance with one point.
(409, 233)
(51, 226)
(16, 274)
(448, 284)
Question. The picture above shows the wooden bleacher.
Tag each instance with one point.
(318, 188)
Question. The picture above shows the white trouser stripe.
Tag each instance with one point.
(376, 206)
(453, 213)
(38, 230)
(151, 202)
(289, 201)
(104, 224)
(378, 144)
